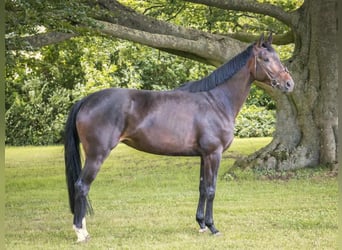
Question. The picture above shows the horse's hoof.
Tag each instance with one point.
(203, 230)
(82, 234)
(83, 240)
(217, 233)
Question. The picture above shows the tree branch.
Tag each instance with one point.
(282, 39)
(250, 6)
(209, 48)
(37, 41)
(124, 16)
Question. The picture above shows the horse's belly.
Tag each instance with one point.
(163, 142)
(162, 150)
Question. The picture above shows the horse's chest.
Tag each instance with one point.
(216, 136)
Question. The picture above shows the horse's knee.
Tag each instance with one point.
(81, 188)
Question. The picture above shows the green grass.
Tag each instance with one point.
(143, 201)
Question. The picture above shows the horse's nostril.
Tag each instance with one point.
(289, 86)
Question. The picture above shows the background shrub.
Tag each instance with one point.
(254, 121)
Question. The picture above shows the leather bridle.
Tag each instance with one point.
(271, 77)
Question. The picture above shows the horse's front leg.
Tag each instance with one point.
(201, 201)
(211, 166)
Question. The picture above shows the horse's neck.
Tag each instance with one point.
(235, 91)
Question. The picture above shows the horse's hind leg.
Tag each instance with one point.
(201, 201)
(91, 167)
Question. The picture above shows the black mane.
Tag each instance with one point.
(220, 75)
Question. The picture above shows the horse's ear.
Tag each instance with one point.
(261, 40)
(270, 38)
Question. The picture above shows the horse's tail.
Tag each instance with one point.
(72, 157)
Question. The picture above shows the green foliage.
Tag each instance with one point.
(141, 67)
(42, 85)
(37, 117)
(40, 88)
(29, 17)
(259, 98)
(254, 121)
(218, 21)
(213, 19)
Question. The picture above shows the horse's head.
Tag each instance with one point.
(267, 67)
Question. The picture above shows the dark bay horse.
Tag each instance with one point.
(197, 119)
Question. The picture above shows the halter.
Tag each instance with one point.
(272, 78)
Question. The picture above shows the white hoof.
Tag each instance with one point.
(82, 233)
(203, 230)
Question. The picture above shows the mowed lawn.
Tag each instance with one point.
(144, 201)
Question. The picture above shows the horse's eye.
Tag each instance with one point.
(266, 59)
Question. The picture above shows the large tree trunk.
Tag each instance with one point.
(306, 131)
